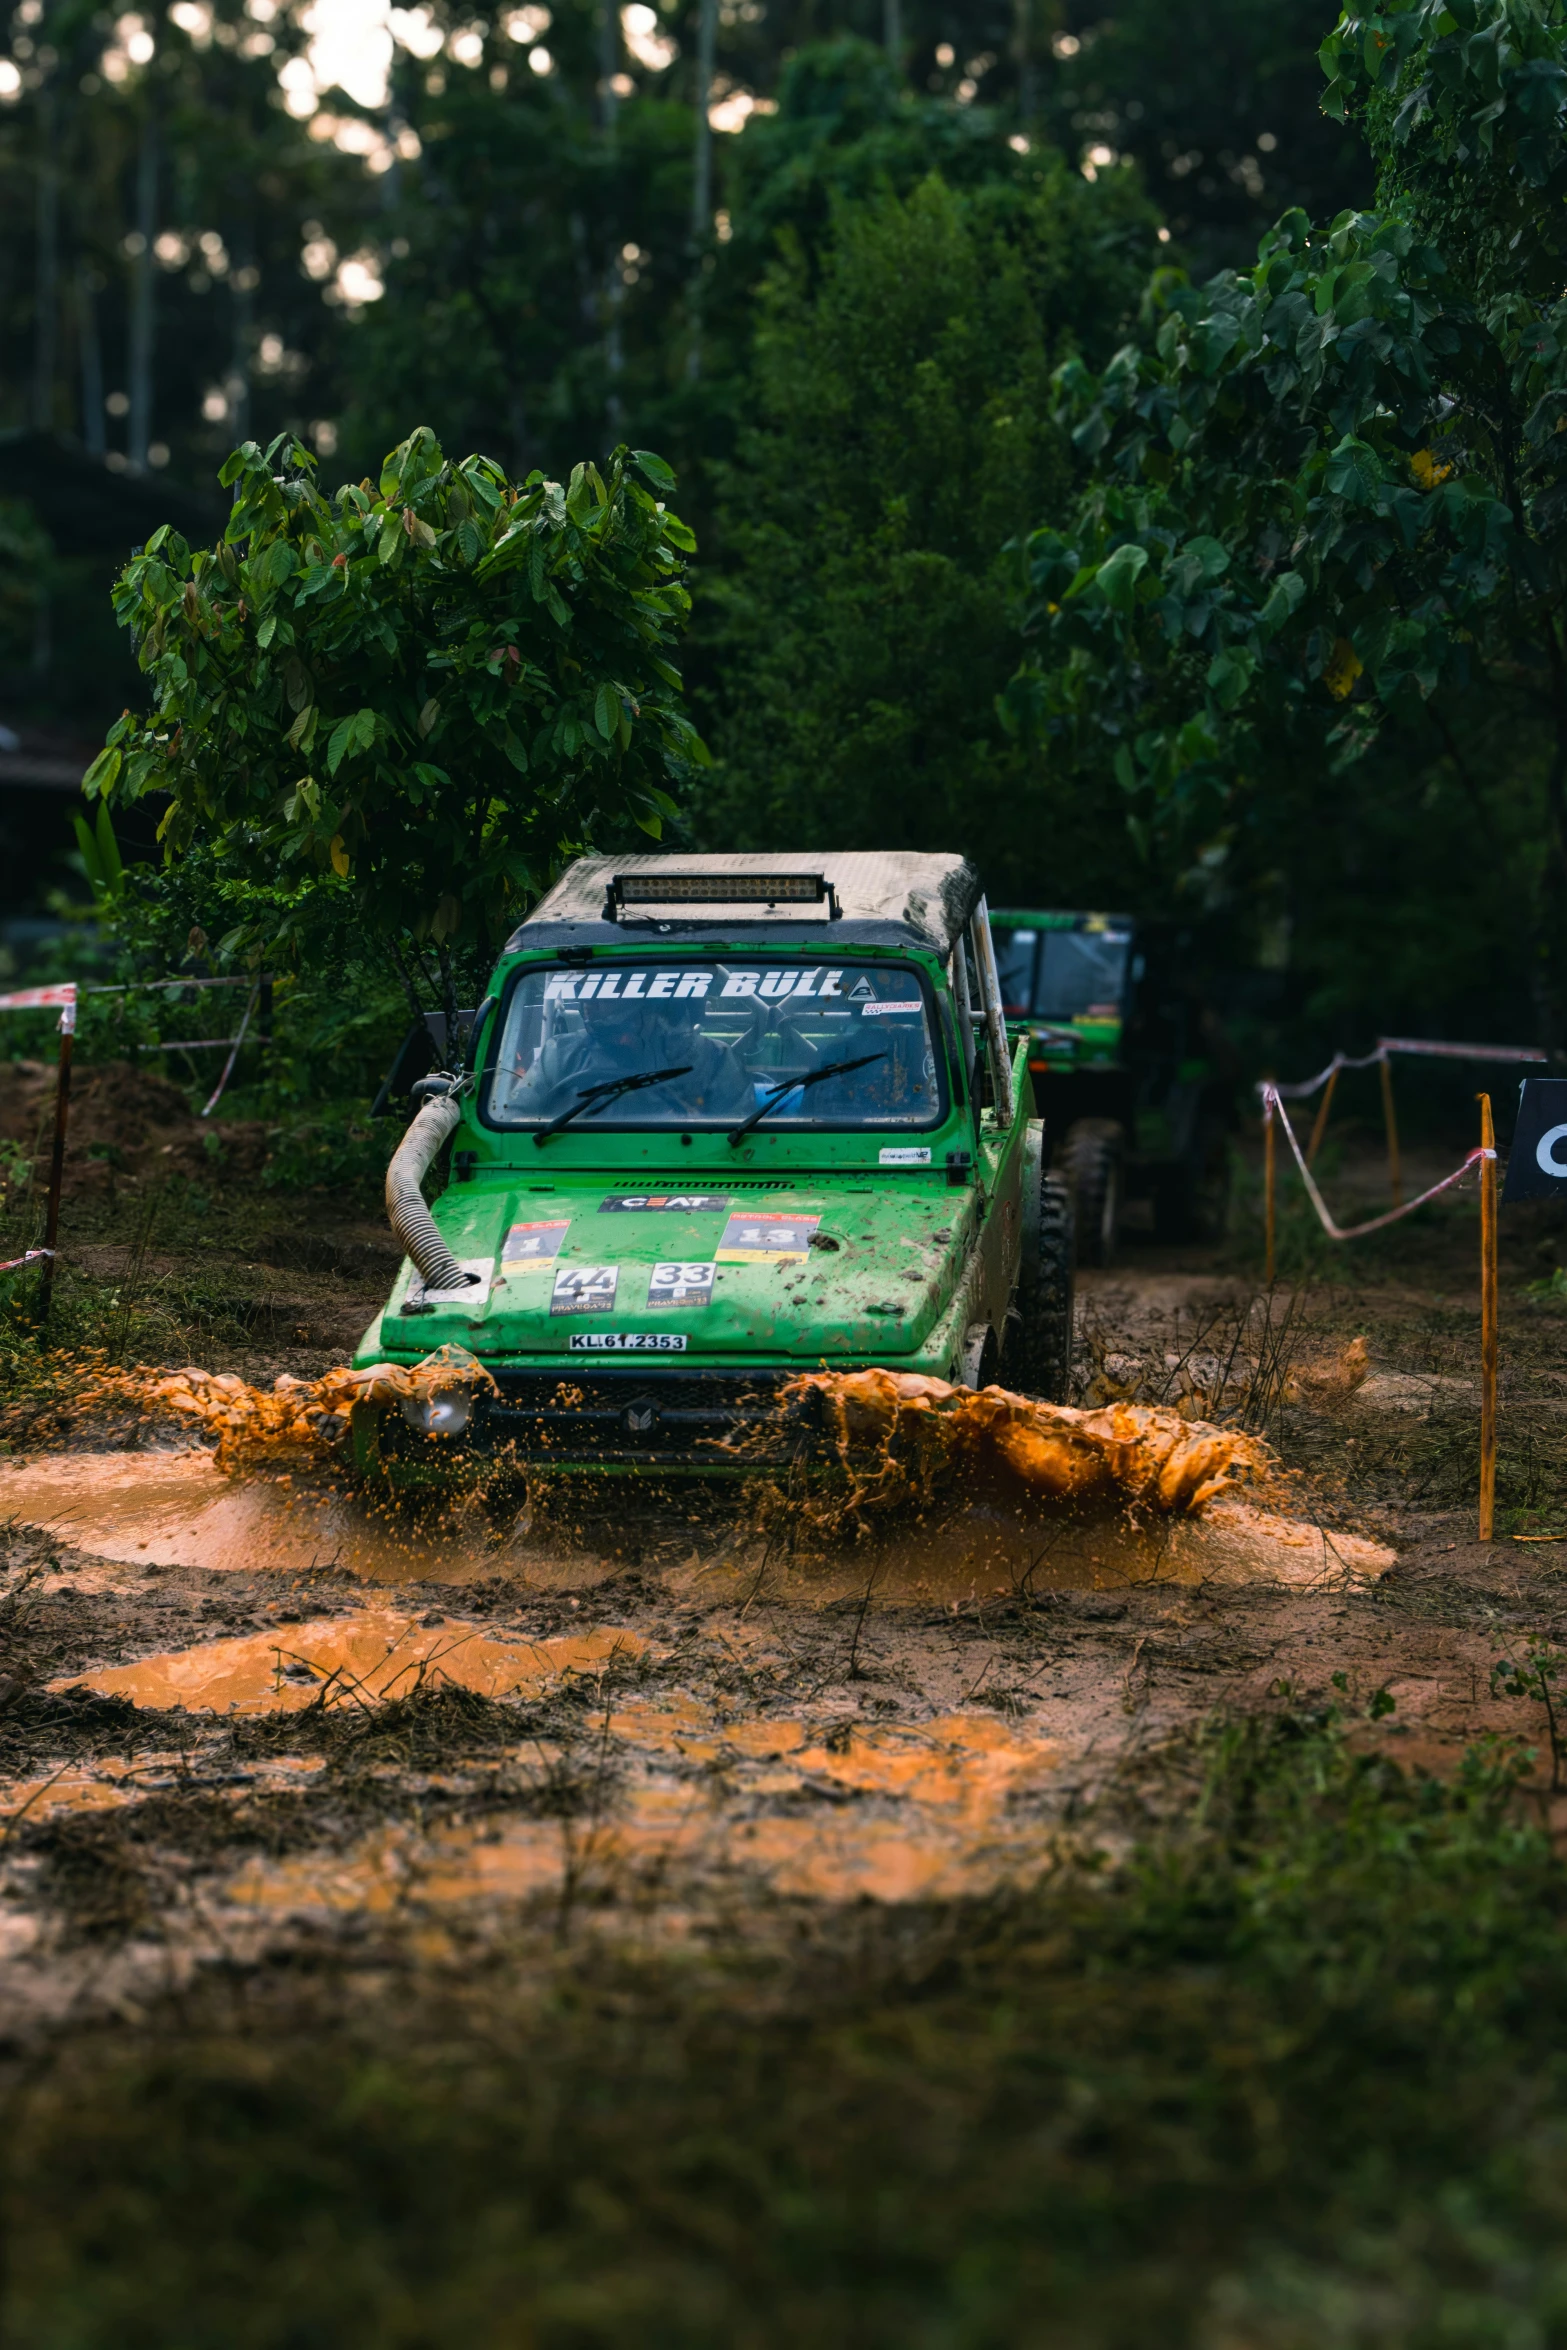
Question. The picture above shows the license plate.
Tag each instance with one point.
(627, 1342)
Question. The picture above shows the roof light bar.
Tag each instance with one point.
(719, 889)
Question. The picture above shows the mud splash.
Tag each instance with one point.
(920, 1434)
(178, 1509)
(360, 1659)
(294, 1417)
(945, 1495)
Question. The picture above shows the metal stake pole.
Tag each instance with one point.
(1321, 1126)
(1488, 1333)
(1269, 1179)
(1394, 1170)
(62, 1111)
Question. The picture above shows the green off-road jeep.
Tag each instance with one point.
(1130, 1068)
(723, 1120)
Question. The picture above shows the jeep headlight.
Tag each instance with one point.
(444, 1413)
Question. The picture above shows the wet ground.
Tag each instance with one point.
(243, 1715)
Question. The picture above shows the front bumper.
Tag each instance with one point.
(709, 1423)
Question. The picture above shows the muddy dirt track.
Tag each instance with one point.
(245, 1718)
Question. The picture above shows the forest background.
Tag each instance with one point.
(862, 302)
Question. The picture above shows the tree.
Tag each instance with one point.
(423, 695)
(864, 628)
(1327, 499)
(1217, 105)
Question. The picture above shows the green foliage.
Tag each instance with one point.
(511, 311)
(1217, 104)
(417, 699)
(342, 1154)
(1330, 490)
(101, 860)
(902, 392)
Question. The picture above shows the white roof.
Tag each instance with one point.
(930, 894)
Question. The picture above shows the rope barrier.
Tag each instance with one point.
(15, 1264)
(228, 1066)
(1311, 1085)
(1388, 1045)
(1271, 1101)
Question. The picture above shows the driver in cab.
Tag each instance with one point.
(593, 1043)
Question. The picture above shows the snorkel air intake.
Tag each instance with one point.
(406, 1212)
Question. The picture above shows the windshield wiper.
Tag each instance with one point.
(611, 1090)
(771, 1099)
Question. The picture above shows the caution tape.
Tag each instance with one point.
(1272, 1102)
(15, 1264)
(45, 999)
(1458, 1052)
(1311, 1085)
(1428, 1047)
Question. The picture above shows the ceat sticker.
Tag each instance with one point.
(585, 1289)
(681, 1285)
(679, 1203)
(904, 1156)
(533, 1248)
(753, 1239)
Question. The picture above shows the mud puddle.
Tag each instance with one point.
(360, 1659)
(323, 1714)
(181, 1510)
(887, 1813)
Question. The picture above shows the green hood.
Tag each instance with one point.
(799, 1269)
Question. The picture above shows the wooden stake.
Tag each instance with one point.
(62, 1111)
(1394, 1172)
(1269, 1181)
(1488, 1346)
(1321, 1126)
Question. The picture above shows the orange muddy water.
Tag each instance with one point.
(179, 1509)
(896, 1813)
(949, 1497)
(366, 1657)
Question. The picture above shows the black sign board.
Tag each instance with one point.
(1537, 1168)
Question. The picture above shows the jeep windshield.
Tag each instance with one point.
(734, 1030)
(1063, 975)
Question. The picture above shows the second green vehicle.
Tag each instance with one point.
(723, 1120)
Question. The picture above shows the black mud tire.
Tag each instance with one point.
(1090, 1161)
(1045, 1299)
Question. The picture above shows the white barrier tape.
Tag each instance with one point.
(144, 986)
(1315, 1084)
(1271, 1102)
(1460, 1052)
(228, 1066)
(39, 999)
(15, 1264)
(1403, 1044)
(45, 999)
